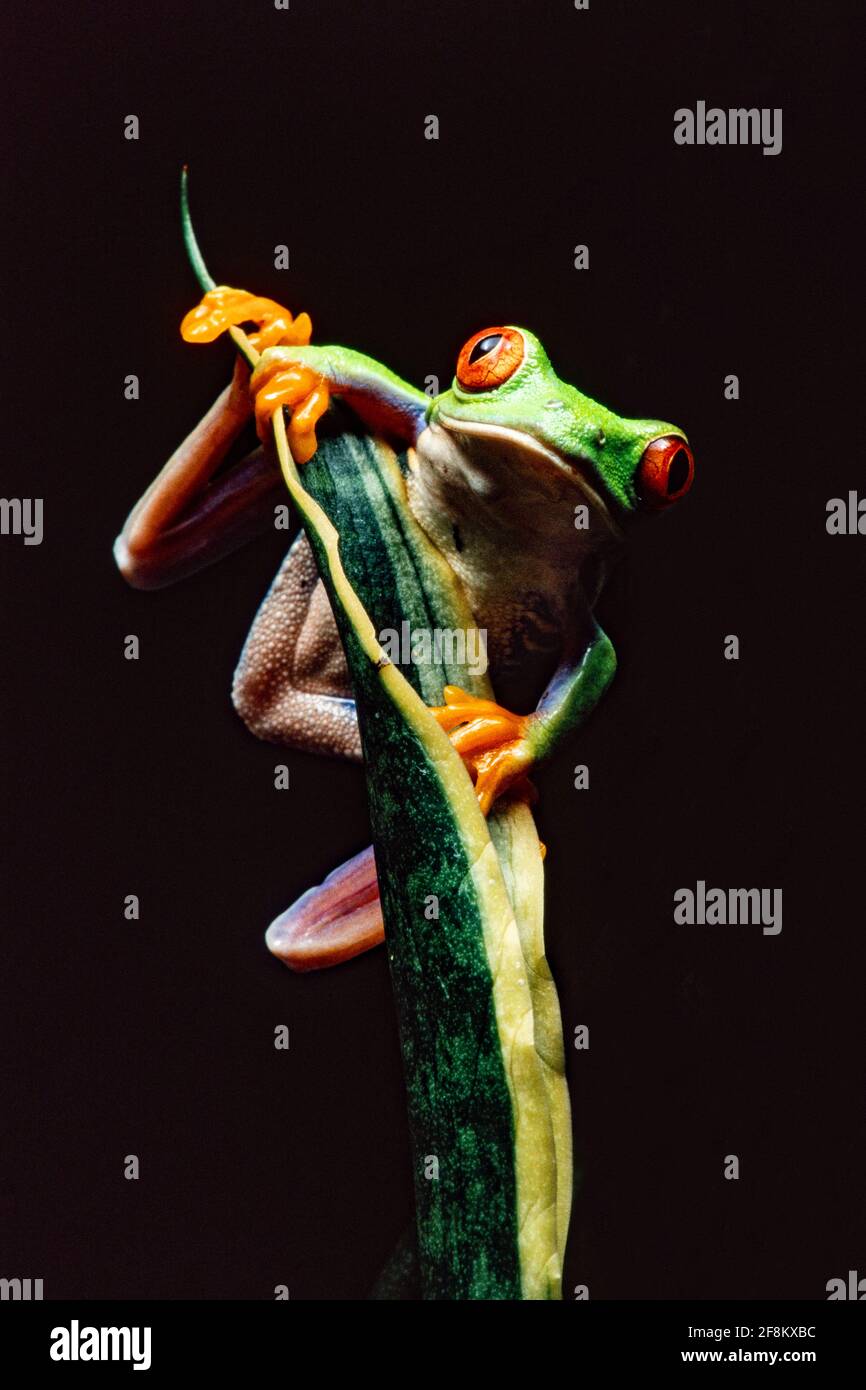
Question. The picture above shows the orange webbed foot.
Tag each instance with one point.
(491, 740)
(305, 392)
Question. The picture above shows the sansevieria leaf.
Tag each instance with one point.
(477, 1009)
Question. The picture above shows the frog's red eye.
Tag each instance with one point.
(665, 472)
(489, 358)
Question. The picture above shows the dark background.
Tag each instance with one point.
(156, 1038)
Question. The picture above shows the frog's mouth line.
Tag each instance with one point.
(575, 471)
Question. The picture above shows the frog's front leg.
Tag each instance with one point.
(304, 378)
(501, 748)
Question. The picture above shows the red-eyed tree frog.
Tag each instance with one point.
(523, 484)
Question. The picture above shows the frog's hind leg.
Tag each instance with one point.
(291, 685)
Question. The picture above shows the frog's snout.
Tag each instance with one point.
(666, 471)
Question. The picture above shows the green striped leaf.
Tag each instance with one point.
(477, 1009)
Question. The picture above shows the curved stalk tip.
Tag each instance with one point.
(193, 251)
(200, 270)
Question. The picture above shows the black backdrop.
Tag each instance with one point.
(156, 1037)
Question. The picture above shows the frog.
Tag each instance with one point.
(524, 485)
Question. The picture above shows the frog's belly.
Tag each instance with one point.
(524, 634)
(507, 530)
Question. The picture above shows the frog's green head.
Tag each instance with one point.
(505, 383)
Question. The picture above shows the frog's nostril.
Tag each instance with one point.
(666, 471)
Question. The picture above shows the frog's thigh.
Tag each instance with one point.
(291, 685)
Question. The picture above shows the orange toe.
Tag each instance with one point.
(306, 394)
(490, 739)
